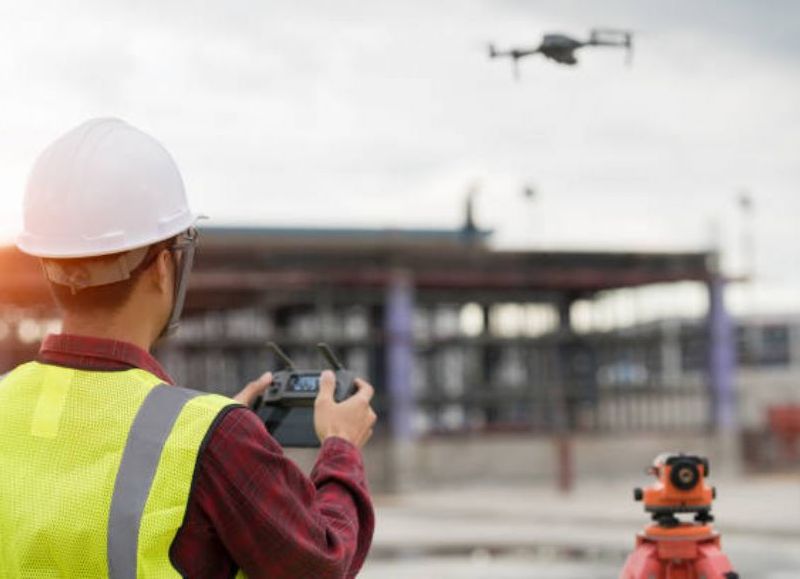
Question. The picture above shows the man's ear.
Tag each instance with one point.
(163, 271)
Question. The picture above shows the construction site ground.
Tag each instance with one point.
(524, 532)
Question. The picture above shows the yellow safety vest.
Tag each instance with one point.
(96, 469)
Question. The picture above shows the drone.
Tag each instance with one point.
(561, 48)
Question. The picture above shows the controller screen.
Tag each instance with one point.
(303, 383)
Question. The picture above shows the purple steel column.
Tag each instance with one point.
(721, 357)
(562, 415)
(399, 325)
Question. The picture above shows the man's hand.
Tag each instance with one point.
(254, 389)
(351, 419)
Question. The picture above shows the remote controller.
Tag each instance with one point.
(287, 405)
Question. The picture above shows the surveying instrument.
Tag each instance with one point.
(671, 548)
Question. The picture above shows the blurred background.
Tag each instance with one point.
(549, 280)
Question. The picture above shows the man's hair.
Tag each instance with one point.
(103, 298)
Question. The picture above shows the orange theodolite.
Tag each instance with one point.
(670, 548)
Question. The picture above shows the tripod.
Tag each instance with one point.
(686, 551)
(670, 548)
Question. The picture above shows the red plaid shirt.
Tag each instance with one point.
(251, 507)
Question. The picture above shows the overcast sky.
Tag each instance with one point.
(383, 114)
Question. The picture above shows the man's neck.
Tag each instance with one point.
(111, 328)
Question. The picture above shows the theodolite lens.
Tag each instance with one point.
(684, 475)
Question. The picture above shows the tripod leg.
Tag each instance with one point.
(643, 563)
(713, 564)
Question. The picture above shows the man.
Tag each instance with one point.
(107, 469)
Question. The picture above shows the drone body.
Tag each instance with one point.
(561, 48)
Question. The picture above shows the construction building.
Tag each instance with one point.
(422, 312)
(391, 304)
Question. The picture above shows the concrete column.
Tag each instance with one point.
(721, 358)
(399, 333)
(794, 345)
(565, 390)
(376, 354)
(671, 363)
(489, 357)
(564, 306)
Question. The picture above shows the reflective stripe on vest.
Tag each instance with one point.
(96, 471)
(146, 439)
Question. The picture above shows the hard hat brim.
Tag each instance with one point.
(50, 248)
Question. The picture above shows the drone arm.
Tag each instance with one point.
(523, 52)
(517, 54)
(514, 53)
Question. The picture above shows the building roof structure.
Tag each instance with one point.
(242, 265)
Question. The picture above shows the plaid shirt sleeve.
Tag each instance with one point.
(252, 508)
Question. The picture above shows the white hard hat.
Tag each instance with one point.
(104, 187)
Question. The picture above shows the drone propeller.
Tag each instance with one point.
(625, 40)
(515, 54)
(598, 33)
(629, 57)
(613, 37)
(629, 47)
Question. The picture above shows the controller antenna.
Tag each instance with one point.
(281, 355)
(328, 354)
